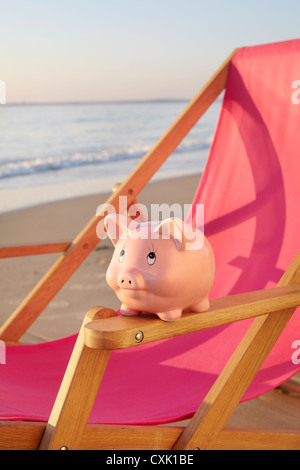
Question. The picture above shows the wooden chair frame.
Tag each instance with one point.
(102, 331)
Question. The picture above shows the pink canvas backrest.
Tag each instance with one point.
(251, 186)
(251, 183)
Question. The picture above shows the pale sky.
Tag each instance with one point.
(99, 50)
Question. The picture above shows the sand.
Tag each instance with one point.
(61, 221)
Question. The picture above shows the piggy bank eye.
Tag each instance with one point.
(121, 255)
(151, 258)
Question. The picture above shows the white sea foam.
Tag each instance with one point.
(52, 152)
(30, 166)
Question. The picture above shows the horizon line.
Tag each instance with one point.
(41, 103)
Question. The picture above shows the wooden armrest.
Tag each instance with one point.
(121, 332)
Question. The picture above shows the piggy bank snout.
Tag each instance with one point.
(131, 279)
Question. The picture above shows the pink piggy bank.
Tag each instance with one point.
(161, 268)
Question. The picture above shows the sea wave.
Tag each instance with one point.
(31, 166)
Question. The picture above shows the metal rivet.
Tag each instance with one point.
(64, 448)
(197, 448)
(130, 191)
(85, 246)
(139, 336)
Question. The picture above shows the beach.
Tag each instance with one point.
(61, 221)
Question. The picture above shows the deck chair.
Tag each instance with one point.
(114, 384)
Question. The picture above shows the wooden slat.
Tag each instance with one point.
(28, 435)
(240, 439)
(16, 435)
(98, 437)
(119, 332)
(87, 239)
(30, 250)
(14, 343)
(229, 388)
(105, 437)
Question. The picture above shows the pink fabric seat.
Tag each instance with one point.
(251, 191)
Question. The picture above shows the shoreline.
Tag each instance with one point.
(14, 199)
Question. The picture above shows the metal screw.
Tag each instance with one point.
(197, 448)
(64, 448)
(139, 336)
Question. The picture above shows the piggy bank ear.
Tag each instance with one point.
(185, 238)
(172, 228)
(117, 226)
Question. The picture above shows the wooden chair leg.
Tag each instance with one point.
(77, 394)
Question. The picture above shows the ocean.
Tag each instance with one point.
(50, 152)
